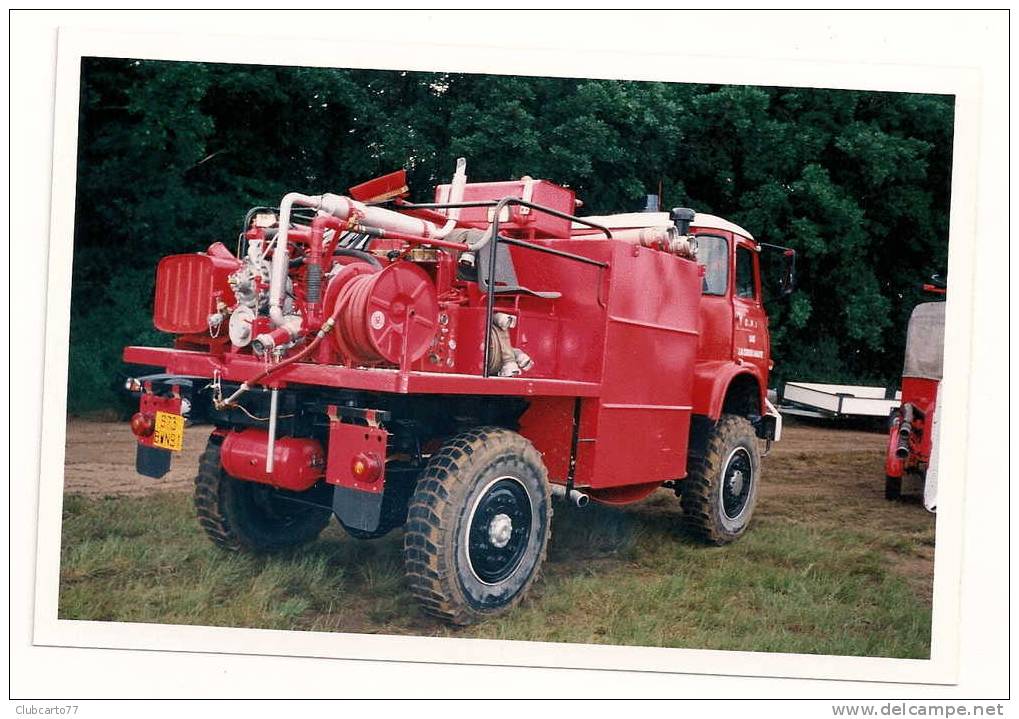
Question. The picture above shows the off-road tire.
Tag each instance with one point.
(701, 495)
(893, 488)
(238, 515)
(472, 473)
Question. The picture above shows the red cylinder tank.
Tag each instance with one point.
(298, 462)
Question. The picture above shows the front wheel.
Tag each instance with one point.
(478, 526)
(719, 495)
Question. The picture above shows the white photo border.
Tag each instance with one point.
(74, 44)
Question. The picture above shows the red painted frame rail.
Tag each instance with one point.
(238, 368)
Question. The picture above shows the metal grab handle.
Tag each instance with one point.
(500, 204)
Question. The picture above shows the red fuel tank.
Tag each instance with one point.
(298, 462)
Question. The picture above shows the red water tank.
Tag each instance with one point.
(517, 217)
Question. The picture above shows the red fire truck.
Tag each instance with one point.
(452, 366)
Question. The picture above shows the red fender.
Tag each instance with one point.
(712, 381)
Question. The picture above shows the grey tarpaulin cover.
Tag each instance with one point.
(925, 341)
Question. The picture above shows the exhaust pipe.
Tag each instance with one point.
(578, 499)
(281, 254)
(902, 450)
(906, 425)
(905, 431)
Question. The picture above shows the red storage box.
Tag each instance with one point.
(187, 287)
(516, 218)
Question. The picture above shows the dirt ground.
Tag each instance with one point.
(816, 470)
(99, 461)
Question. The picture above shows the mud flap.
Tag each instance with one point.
(152, 461)
(357, 509)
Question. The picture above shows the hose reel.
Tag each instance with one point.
(384, 312)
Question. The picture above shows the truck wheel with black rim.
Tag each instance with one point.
(477, 526)
(247, 516)
(719, 494)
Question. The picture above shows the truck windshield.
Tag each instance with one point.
(713, 255)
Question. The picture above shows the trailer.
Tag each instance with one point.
(451, 366)
(837, 401)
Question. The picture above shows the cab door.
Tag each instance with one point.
(714, 254)
(750, 323)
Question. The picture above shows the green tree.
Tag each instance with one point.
(172, 154)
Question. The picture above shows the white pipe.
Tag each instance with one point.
(281, 254)
(343, 207)
(577, 498)
(456, 190)
(271, 449)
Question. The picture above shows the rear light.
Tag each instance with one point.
(366, 467)
(142, 424)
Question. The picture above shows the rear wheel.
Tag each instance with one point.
(240, 515)
(893, 487)
(478, 526)
(719, 495)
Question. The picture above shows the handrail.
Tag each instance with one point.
(502, 203)
(492, 254)
(499, 206)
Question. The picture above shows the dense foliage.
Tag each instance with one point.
(172, 154)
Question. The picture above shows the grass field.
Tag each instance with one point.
(828, 567)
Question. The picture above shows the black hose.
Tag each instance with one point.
(314, 279)
(359, 254)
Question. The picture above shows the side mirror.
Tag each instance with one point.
(787, 277)
(936, 285)
(788, 281)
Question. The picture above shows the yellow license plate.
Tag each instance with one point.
(169, 431)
